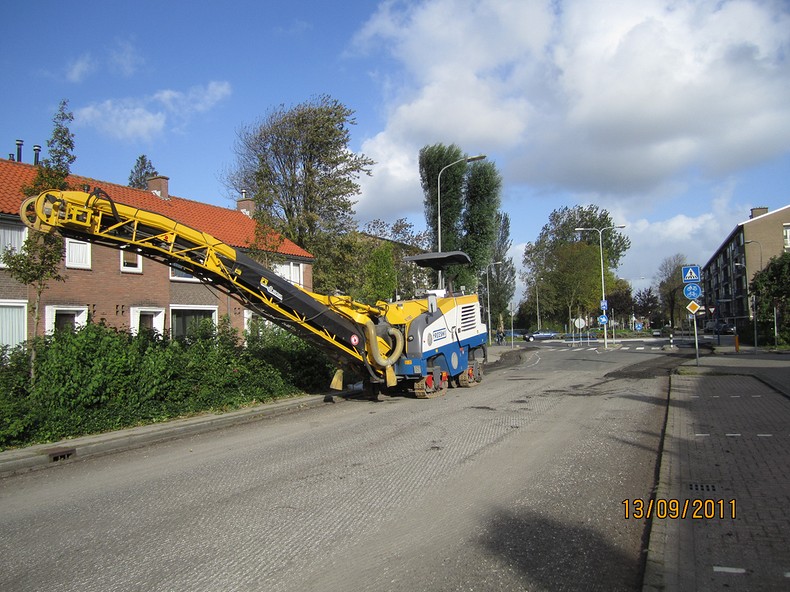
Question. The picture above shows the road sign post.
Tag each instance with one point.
(693, 307)
(691, 289)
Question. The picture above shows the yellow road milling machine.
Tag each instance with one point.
(420, 346)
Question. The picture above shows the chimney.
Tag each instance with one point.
(245, 205)
(36, 153)
(11, 156)
(758, 212)
(158, 186)
(19, 150)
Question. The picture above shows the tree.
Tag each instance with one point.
(646, 304)
(620, 299)
(501, 278)
(573, 282)
(480, 224)
(38, 262)
(432, 159)
(297, 167)
(540, 257)
(470, 199)
(143, 169)
(52, 171)
(771, 285)
(381, 279)
(561, 229)
(670, 285)
(405, 241)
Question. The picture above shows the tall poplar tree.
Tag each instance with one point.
(467, 205)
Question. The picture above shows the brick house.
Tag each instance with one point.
(122, 288)
(745, 251)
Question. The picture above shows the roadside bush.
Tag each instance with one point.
(98, 378)
(298, 362)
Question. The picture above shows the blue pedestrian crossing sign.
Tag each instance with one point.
(692, 291)
(690, 274)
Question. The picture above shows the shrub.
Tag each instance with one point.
(98, 378)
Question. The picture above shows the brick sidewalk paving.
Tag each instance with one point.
(727, 441)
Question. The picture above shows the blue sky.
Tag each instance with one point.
(673, 115)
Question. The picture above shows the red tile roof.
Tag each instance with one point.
(230, 226)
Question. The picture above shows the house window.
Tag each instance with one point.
(786, 231)
(182, 316)
(64, 317)
(179, 274)
(11, 236)
(291, 271)
(152, 319)
(13, 322)
(78, 254)
(131, 262)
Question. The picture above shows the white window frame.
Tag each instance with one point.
(5, 243)
(50, 312)
(786, 236)
(176, 278)
(134, 318)
(21, 304)
(212, 307)
(72, 245)
(129, 269)
(293, 271)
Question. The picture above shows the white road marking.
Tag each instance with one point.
(732, 570)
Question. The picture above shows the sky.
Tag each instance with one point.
(673, 115)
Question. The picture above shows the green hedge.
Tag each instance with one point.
(97, 378)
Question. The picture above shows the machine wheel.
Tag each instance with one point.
(473, 375)
(374, 392)
(432, 386)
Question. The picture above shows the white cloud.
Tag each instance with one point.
(197, 99)
(124, 120)
(608, 97)
(144, 119)
(125, 59)
(632, 106)
(81, 68)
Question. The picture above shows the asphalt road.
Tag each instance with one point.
(516, 484)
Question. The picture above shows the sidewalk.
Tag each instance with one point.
(726, 464)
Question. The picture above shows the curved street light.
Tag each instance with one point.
(439, 201)
(603, 286)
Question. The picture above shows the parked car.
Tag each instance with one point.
(720, 328)
(541, 335)
(656, 333)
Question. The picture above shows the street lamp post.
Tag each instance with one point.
(754, 296)
(488, 297)
(439, 202)
(603, 286)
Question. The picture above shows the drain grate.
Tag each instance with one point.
(58, 454)
(703, 487)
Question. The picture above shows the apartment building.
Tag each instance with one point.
(121, 288)
(745, 251)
